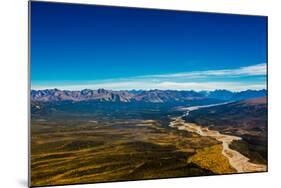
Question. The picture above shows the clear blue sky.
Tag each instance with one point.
(77, 46)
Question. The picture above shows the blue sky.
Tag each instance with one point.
(76, 47)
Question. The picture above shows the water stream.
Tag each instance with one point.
(238, 161)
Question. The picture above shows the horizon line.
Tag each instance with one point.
(147, 89)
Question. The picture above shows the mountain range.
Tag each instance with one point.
(152, 96)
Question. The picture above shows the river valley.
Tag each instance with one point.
(238, 161)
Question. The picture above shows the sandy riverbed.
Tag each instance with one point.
(238, 161)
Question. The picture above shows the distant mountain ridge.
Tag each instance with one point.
(153, 96)
(236, 96)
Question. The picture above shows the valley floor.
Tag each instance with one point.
(115, 144)
(238, 161)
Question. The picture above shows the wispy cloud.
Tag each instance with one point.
(254, 70)
(147, 85)
(195, 80)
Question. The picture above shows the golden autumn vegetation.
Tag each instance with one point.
(211, 158)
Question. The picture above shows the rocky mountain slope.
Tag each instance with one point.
(154, 96)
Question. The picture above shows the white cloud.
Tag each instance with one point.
(146, 85)
(178, 81)
(254, 70)
(199, 86)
